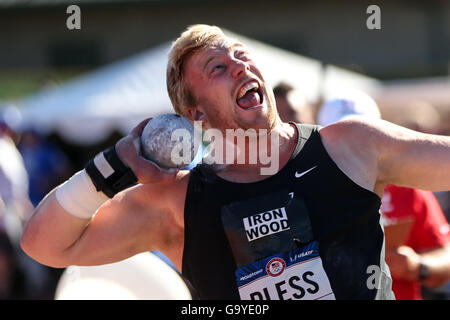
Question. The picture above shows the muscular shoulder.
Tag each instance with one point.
(352, 145)
(350, 131)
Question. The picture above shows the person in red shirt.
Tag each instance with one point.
(424, 258)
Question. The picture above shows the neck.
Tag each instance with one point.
(263, 154)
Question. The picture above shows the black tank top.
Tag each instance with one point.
(341, 218)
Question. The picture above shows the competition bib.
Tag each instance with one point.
(272, 243)
(297, 274)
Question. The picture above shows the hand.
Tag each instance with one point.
(128, 150)
(404, 263)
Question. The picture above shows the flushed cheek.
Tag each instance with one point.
(216, 110)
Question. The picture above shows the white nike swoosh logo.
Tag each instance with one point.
(298, 175)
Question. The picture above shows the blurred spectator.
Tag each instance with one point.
(427, 240)
(13, 175)
(292, 105)
(444, 200)
(15, 207)
(424, 117)
(13, 187)
(36, 281)
(421, 116)
(11, 278)
(417, 232)
(349, 104)
(10, 121)
(46, 164)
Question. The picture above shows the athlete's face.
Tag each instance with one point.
(228, 88)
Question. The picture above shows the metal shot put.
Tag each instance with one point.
(168, 140)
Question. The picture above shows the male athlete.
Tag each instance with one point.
(310, 231)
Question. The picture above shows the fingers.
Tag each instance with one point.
(128, 149)
(149, 172)
(137, 131)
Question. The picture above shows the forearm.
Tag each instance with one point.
(51, 232)
(60, 220)
(413, 159)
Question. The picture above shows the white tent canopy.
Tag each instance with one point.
(87, 109)
(117, 97)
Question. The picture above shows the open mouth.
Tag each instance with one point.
(250, 95)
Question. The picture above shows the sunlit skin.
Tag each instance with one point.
(214, 75)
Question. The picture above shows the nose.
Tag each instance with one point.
(239, 68)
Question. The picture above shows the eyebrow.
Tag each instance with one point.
(208, 61)
(233, 46)
(238, 44)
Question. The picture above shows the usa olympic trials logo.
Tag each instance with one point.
(275, 267)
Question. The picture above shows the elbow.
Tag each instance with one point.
(31, 246)
(26, 242)
(41, 257)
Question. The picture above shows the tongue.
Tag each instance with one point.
(250, 99)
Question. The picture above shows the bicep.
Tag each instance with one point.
(123, 227)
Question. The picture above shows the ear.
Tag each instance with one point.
(194, 114)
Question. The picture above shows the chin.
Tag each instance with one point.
(259, 118)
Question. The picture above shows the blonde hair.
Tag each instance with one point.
(195, 37)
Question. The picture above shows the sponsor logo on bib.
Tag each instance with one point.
(265, 223)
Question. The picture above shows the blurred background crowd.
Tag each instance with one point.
(66, 95)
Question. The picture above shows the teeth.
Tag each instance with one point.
(249, 86)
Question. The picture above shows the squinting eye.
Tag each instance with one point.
(242, 55)
(218, 67)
